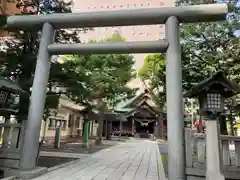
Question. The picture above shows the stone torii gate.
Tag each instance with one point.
(170, 16)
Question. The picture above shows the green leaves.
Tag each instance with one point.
(18, 57)
(99, 78)
(208, 47)
(154, 72)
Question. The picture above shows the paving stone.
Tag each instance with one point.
(132, 160)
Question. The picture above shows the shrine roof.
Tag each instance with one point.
(131, 105)
(124, 105)
(125, 110)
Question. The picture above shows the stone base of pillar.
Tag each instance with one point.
(213, 156)
(26, 174)
(85, 145)
(98, 141)
(157, 131)
(214, 176)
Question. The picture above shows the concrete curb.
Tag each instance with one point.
(62, 154)
(9, 178)
(161, 141)
(63, 165)
(161, 172)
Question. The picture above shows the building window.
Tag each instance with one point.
(63, 124)
(70, 121)
(141, 5)
(121, 6)
(135, 5)
(128, 6)
(161, 3)
(77, 122)
(51, 124)
(114, 6)
(107, 6)
(54, 122)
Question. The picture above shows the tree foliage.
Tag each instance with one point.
(99, 77)
(153, 73)
(206, 49)
(18, 53)
(210, 47)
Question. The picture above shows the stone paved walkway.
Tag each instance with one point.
(131, 160)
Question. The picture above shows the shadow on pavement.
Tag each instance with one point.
(45, 161)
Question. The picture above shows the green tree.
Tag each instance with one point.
(20, 51)
(210, 47)
(206, 49)
(153, 73)
(91, 73)
(99, 81)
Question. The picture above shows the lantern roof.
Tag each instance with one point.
(218, 82)
(9, 85)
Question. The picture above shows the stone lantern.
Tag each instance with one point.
(9, 96)
(11, 133)
(212, 93)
